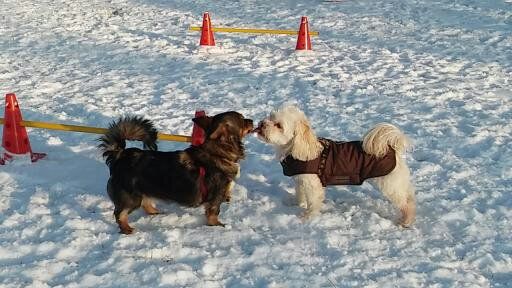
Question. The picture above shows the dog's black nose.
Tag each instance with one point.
(259, 129)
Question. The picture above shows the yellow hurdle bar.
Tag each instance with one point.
(255, 31)
(95, 130)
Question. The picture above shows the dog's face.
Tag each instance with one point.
(281, 126)
(225, 126)
(288, 129)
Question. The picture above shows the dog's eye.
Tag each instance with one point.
(278, 125)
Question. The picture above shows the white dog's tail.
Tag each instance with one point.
(383, 136)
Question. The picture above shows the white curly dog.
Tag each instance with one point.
(378, 157)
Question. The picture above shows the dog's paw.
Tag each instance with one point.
(405, 224)
(212, 220)
(408, 215)
(152, 212)
(127, 230)
(308, 214)
(218, 223)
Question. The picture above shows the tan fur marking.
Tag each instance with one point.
(149, 206)
(122, 221)
(213, 220)
(229, 190)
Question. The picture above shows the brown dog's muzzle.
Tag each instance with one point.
(248, 126)
(259, 129)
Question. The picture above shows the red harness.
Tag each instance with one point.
(198, 136)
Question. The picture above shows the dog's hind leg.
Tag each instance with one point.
(122, 221)
(397, 187)
(149, 206)
(123, 208)
(408, 209)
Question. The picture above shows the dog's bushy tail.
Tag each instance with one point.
(384, 136)
(113, 142)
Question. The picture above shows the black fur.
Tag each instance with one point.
(137, 174)
(127, 128)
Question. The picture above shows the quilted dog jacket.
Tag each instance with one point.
(342, 163)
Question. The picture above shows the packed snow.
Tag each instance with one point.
(441, 70)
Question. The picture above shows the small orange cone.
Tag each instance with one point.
(15, 137)
(198, 134)
(303, 40)
(207, 32)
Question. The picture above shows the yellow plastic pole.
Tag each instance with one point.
(95, 130)
(254, 31)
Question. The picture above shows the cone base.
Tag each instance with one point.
(303, 50)
(7, 157)
(210, 50)
(4, 158)
(37, 156)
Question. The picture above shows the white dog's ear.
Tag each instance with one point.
(305, 145)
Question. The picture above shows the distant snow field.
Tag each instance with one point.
(441, 71)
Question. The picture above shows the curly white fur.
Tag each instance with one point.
(289, 131)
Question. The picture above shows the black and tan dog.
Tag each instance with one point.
(137, 176)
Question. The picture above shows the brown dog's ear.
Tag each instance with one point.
(221, 132)
(203, 122)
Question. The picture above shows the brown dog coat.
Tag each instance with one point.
(341, 163)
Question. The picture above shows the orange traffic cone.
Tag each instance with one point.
(198, 132)
(207, 32)
(15, 137)
(303, 40)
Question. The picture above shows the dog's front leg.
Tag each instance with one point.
(310, 187)
(300, 194)
(212, 206)
(212, 215)
(232, 184)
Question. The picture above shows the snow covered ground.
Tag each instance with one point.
(441, 70)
